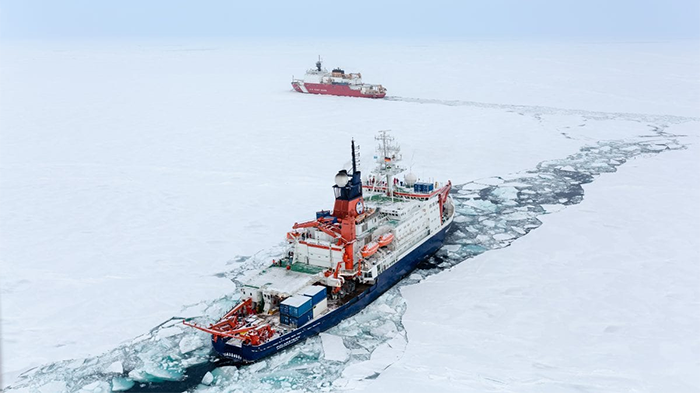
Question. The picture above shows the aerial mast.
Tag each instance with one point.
(388, 155)
(354, 163)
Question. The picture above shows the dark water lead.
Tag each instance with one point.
(492, 213)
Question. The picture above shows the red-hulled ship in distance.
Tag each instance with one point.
(337, 83)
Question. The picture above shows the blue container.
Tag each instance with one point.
(296, 306)
(323, 213)
(423, 187)
(296, 321)
(326, 213)
(316, 292)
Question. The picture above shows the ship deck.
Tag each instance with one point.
(283, 281)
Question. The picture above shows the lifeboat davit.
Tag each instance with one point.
(386, 239)
(369, 249)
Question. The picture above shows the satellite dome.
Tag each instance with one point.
(341, 179)
(410, 179)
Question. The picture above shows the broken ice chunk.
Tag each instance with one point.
(53, 387)
(115, 367)
(333, 348)
(207, 379)
(168, 332)
(96, 387)
(505, 193)
(491, 181)
(503, 236)
(473, 187)
(120, 384)
(190, 343)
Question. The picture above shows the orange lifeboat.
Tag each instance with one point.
(386, 239)
(369, 249)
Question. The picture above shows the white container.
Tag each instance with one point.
(320, 307)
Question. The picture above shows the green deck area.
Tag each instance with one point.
(300, 267)
(381, 198)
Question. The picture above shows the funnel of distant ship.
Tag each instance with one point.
(380, 229)
(337, 83)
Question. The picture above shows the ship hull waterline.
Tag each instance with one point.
(246, 354)
(333, 89)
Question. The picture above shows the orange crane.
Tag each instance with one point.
(231, 324)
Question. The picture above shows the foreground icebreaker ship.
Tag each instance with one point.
(339, 262)
(319, 81)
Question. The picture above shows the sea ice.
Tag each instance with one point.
(207, 379)
(143, 202)
(53, 387)
(333, 348)
(491, 181)
(115, 367)
(473, 187)
(120, 384)
(503, 236)
(96, 387)
(190, 342)
(553, 208)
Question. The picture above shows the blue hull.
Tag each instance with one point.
(249, 354)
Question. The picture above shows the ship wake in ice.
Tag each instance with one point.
(491, 213)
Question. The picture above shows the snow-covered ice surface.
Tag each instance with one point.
(139, 183)
(604, 297)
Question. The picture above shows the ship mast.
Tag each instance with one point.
(388, 155)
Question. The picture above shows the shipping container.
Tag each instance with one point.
(284, 319)
(316, 292)
(327, 215)
(320, 307)
(295, 322)
(296, 306)
(423, 187)
(323, 213)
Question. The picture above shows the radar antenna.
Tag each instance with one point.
(388, 155)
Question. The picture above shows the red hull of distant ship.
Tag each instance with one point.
(332, 89)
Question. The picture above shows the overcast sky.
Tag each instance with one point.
(590, 19)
